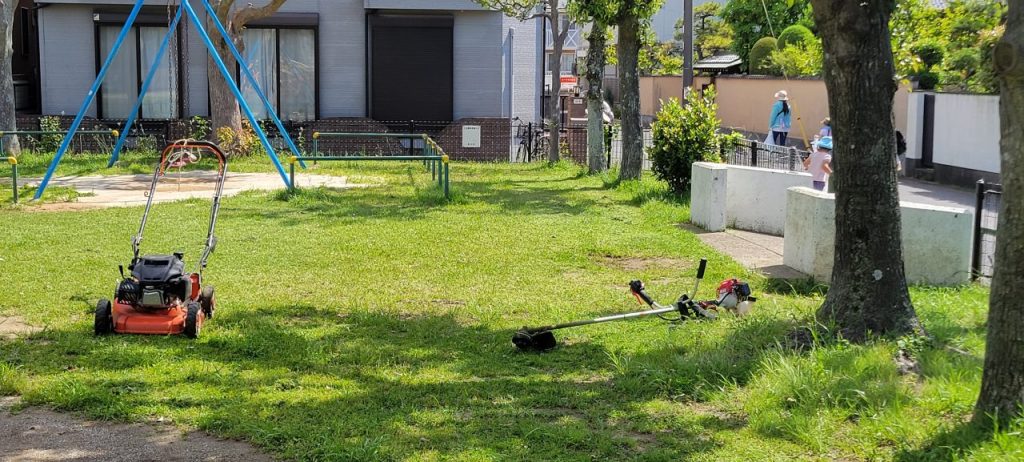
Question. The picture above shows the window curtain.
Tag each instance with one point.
(298, 74)
(161, 99)
(121, 86)
(261, 56)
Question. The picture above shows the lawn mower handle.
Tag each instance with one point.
(161, 168)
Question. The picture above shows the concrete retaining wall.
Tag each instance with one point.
(936, 240)
(748, 198)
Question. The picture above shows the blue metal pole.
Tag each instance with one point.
(89, 97)
(243, 65)
(234, 89)
(145, 87)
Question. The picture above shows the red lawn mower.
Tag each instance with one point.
(159, 297)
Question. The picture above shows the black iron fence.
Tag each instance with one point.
(757, 154)
(530, 143)
(988, 202)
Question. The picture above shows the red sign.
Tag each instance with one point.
(568, 80)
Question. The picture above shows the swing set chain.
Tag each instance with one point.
(181, 45)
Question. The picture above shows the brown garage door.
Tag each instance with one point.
(410, 67)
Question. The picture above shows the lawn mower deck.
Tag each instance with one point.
(159, 297)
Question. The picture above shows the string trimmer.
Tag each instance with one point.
(733, 294)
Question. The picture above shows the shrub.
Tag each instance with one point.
(239, 144)
(964, 60)
(684, 135)
(927, 80)
(198, 128)
(758, 59)
(930, 52)
(795, 35)
(49, 143)
(798, 60)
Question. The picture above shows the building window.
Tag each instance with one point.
(283, 62)
(572, 38)
(568, 63)
(124, 78)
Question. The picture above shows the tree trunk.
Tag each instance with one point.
(868, 293)
(1002, 382)
(629, 99)
(595, 97)
(553, 104)
(8, 118)
(224, 110)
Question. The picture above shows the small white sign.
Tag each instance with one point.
(471, 136)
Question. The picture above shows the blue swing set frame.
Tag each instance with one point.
(184, 7)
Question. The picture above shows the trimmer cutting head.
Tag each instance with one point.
(526, 340)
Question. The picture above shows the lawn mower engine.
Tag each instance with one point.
(158, 298)
(157, 281)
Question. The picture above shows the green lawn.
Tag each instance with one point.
(375, 324)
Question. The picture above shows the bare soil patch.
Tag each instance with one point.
(643, 263)
(37, 434)
(14, 326)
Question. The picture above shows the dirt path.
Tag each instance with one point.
(37, 434)
(131, 190)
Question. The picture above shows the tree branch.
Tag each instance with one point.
(244, 15)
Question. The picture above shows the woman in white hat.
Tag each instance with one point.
(779, 122)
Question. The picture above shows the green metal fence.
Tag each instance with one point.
(433, 157)
(13, 161)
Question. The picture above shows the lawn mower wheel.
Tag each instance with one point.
(192, 320)
(208, 301)
(104, 322)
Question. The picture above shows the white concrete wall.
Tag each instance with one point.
(915, 124)
(756, 198)
(967, 131)
(748, 198)
(936, 240)
(708, 189)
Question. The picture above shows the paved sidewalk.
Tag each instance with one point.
(924, 192)
(131, 190)
(760, 252)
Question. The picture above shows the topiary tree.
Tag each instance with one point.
(963, 63)
(930, 52)
(927, 80)
(758, 60)
(684, 135)
(796, 35)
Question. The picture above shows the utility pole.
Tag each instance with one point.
(687, 46)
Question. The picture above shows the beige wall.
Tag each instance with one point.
(744, 102)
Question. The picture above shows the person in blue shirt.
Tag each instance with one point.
(779, 122)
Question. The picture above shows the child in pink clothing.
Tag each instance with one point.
(819, 163)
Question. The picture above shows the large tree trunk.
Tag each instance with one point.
(224, 110)
(629, 99)
(1002, 383)
(868, 293)
(554, 111)
(8, 117)
(595, 97)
